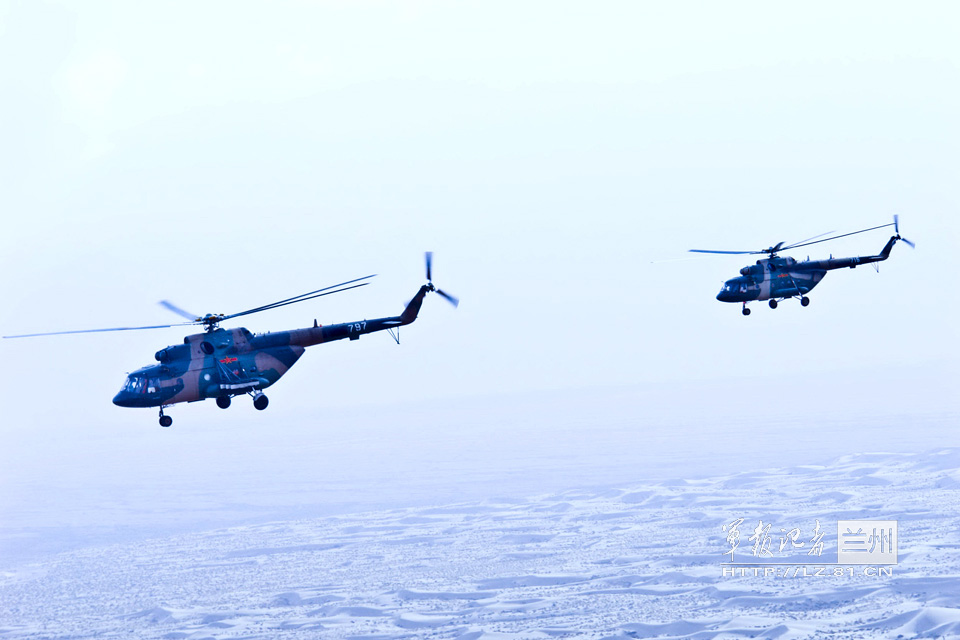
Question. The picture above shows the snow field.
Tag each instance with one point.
(628, 562)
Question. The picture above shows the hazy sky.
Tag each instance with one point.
(224, 155)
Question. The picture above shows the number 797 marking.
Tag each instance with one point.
(357, 326)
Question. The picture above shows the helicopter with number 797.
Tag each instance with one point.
(223, 363)
(776, 278)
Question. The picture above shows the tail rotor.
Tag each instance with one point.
(431, 287)
(896, 228)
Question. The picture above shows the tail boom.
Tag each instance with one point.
(319, 334)
(852, 263)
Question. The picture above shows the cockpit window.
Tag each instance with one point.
(735, 287)
(139, 384)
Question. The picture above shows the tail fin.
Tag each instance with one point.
(885, 253)
(413, 307)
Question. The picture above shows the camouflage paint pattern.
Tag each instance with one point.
(778, 278)
(228, 362)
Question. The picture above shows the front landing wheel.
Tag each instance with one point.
(260, 402)
(223, 402)
(746, 311)
(166, 421)
(772, 303)
(804, 301)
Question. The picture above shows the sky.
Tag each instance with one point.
(560, 159)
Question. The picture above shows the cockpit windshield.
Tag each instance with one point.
(734, 286)
(141, 384)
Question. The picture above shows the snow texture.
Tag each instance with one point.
(635, 561)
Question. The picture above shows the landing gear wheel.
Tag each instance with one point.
(746, 311)
(223, 402)
(773, 304)
(165, 421)
(260, 402)
(804, 301)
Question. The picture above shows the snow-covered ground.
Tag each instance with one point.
(67, 486)
(636, 560)
(590, 514)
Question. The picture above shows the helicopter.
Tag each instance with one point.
(224, 363)
(776, 278)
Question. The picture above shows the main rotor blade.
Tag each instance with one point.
(802, 243)
(844, 235)
(177, 310)
(195, 320)
(451, 299)
(305, 296)
(296, 300)
(60, 333)
(819, 235)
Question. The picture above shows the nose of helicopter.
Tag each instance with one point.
(122, 399)
(731, 291)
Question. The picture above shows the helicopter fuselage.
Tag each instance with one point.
(222, 363)
(784, 277)
(226, 362)
(771, 278)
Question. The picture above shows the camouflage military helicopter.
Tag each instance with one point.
(775, 278)
(223, 363)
